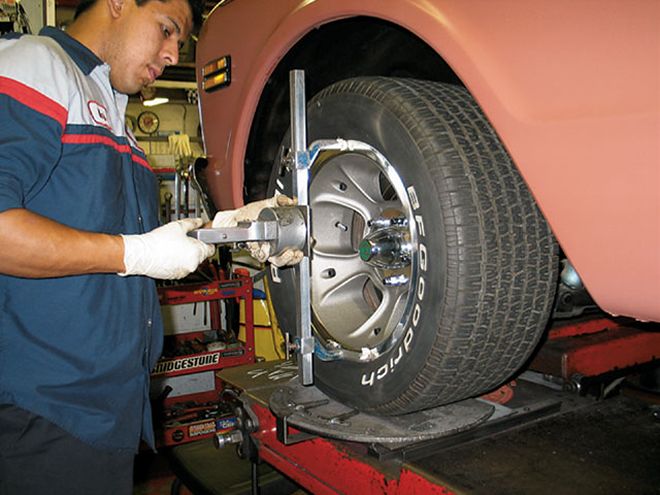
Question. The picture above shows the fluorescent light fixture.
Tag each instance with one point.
(155, 101)
(173, 84)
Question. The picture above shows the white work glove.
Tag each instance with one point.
(249, 212)
(166, 252)
(261, 252)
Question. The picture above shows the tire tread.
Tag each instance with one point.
(501, 256)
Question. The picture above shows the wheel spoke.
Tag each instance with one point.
(381, 322)
(338, 294)
(332, 275)
(342, 301)
(363, 176)
(353, 184)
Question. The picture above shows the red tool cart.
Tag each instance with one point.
(197, 415)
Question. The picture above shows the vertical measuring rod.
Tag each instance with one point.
(301, 160)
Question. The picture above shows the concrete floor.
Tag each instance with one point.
(154, 476)
(203, 470)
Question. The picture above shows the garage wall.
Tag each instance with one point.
(175, 118)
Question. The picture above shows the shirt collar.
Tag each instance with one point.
(79, 53)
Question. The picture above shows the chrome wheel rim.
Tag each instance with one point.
(364, 254)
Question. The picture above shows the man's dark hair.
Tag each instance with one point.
(196, 6)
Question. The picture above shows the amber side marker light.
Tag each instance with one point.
(216, 74)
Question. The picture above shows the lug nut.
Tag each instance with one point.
(396, 280)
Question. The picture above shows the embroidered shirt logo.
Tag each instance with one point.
(99, 113)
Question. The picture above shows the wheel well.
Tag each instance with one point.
(359, 46)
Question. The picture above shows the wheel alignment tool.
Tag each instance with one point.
(289, 227)
(286, 227)
(302, 162)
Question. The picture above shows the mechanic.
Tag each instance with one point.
(80, 325)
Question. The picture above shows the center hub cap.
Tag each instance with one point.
(386, 248)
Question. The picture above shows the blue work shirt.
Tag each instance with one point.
(76, 350)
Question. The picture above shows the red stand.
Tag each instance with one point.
(195, 416)
(595, 347)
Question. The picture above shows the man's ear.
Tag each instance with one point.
(115, 7)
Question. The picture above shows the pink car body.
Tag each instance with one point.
(571, 87)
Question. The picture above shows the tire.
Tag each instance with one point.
(481, 261)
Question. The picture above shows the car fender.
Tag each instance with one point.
(570, 87)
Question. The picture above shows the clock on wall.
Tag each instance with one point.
(148, 122)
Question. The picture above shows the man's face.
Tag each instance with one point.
(146, 39)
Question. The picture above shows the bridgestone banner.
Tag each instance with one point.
(199, 362)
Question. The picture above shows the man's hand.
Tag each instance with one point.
(261, 252)
(250, 212)
(166, 252)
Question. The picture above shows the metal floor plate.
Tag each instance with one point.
(310, 410)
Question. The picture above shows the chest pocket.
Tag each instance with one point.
(146, 190)
(96, 186)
